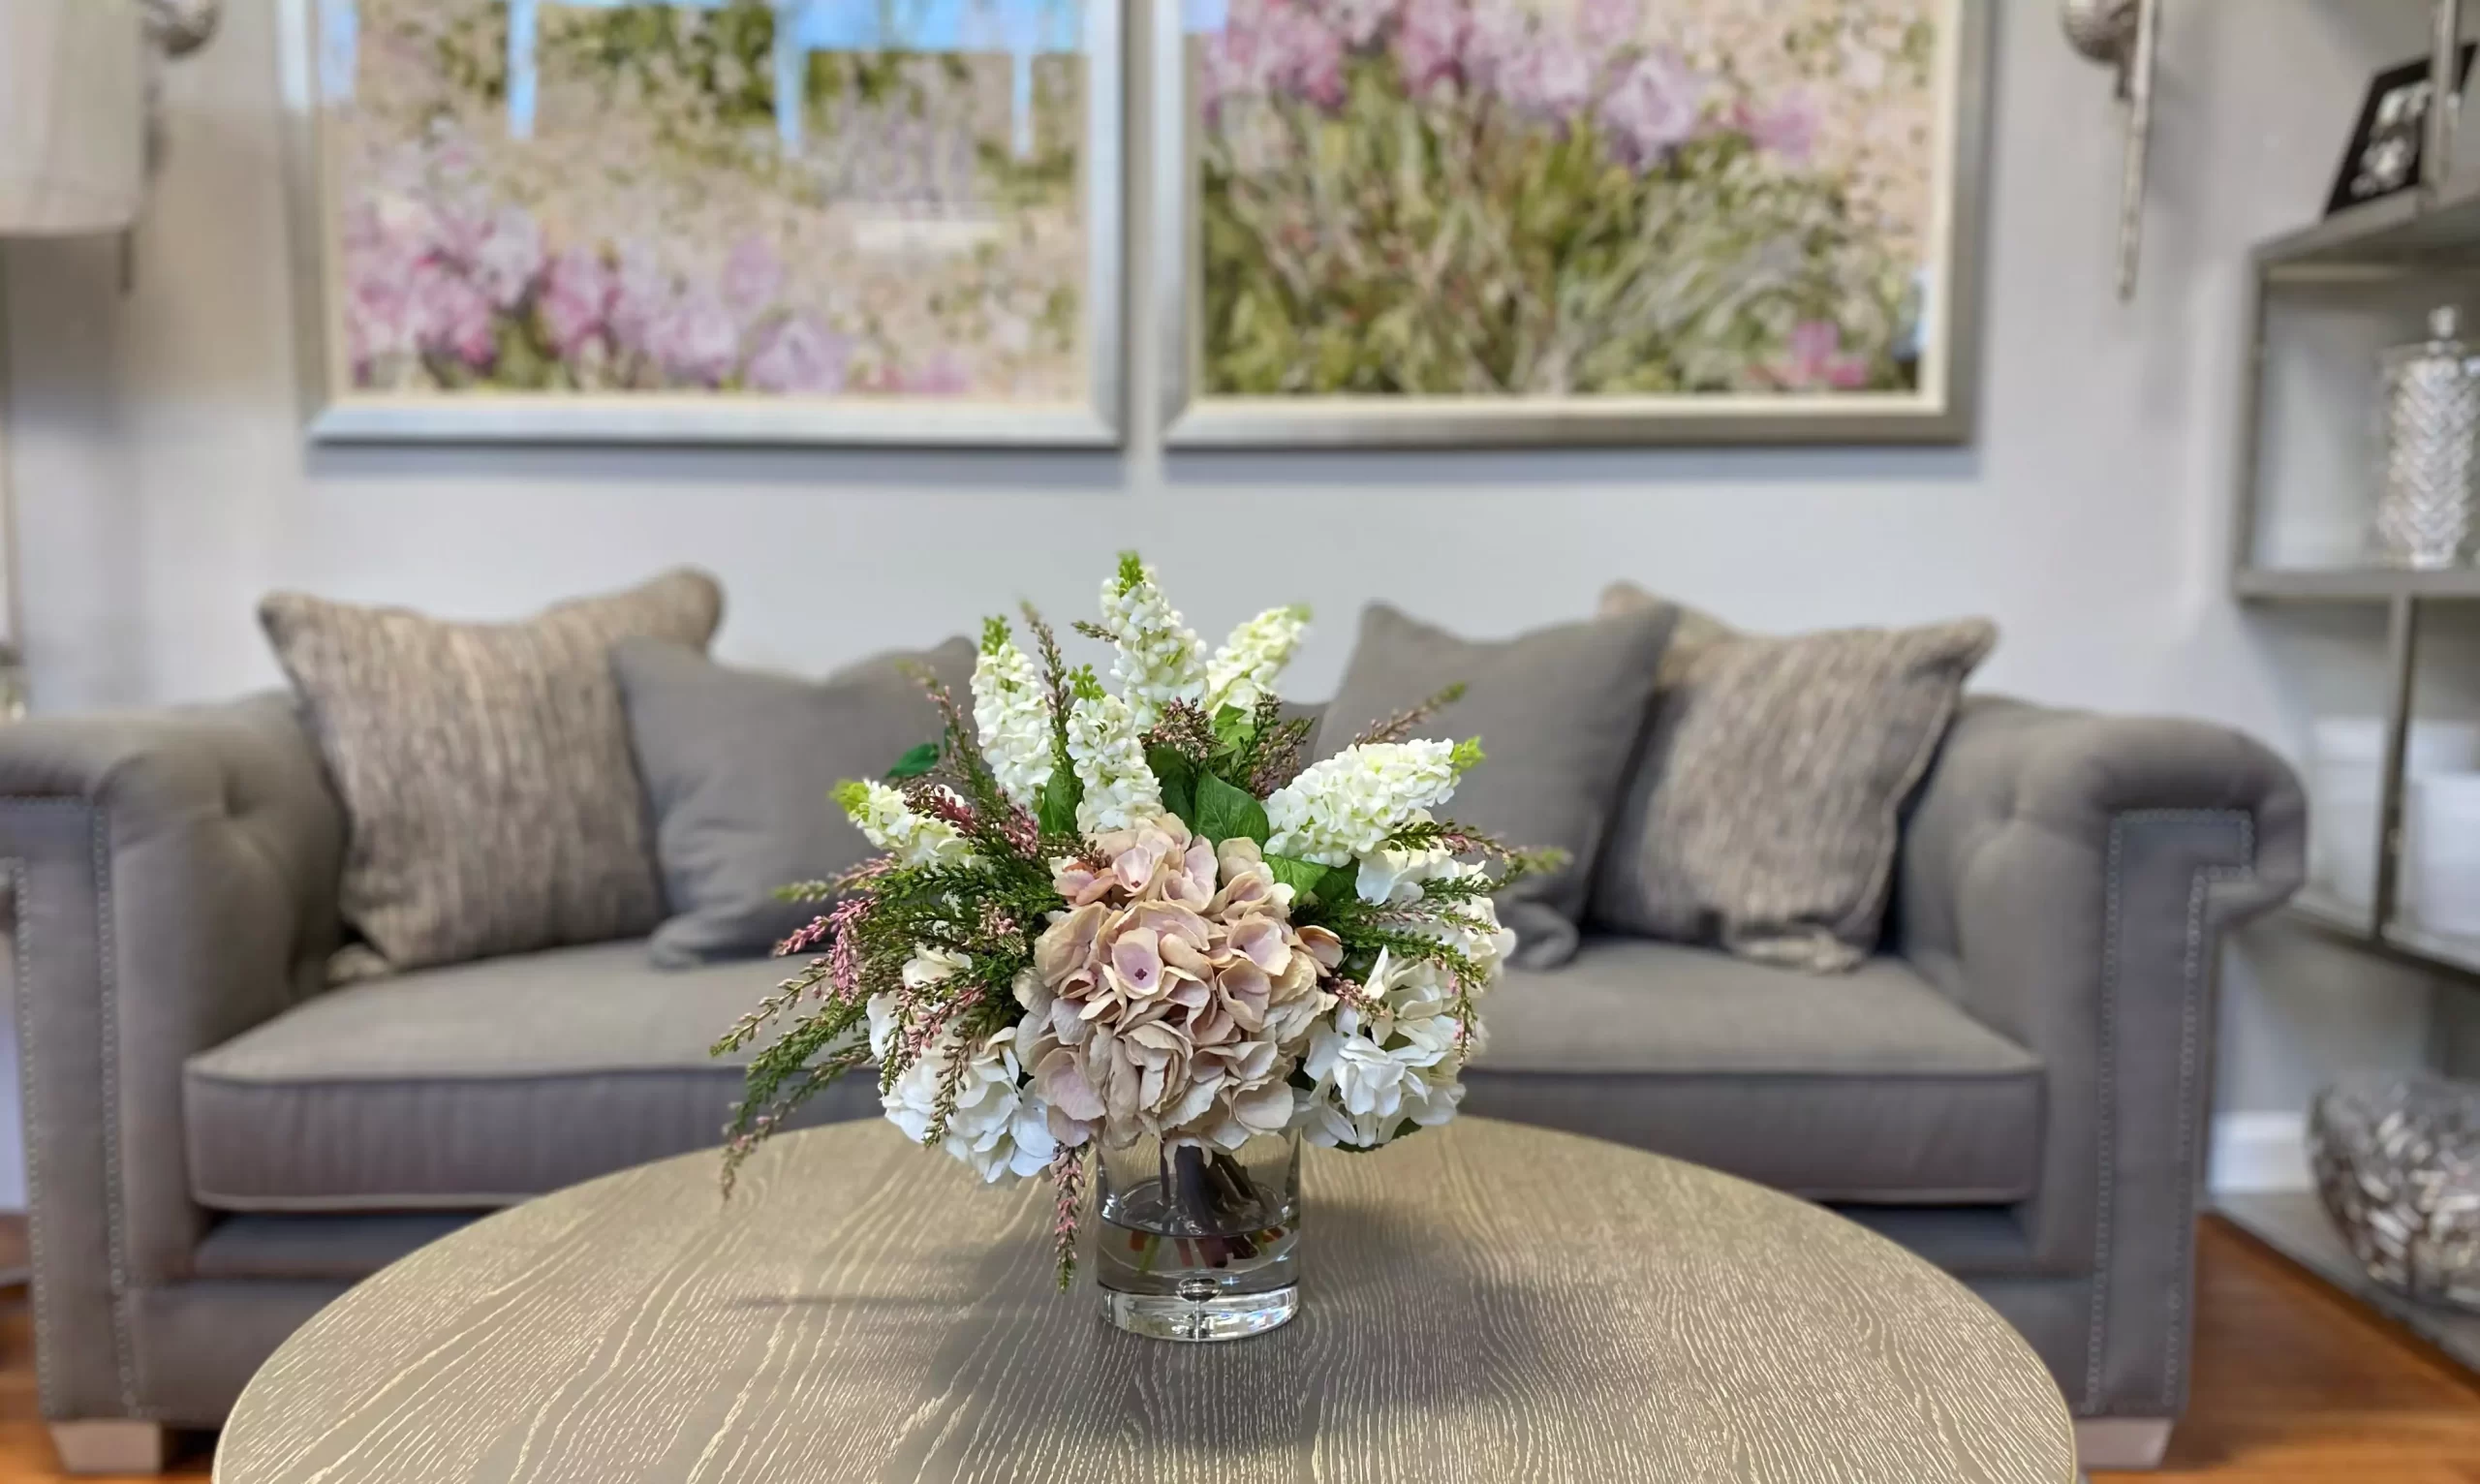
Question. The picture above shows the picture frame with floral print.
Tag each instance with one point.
(871, 222)
(1405, 223)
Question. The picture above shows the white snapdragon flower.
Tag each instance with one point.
(1250, 660)
(888, 823)
(1012, 716)
(1121, 792)
(1160, 659)
(1345, 806)
(997, 1126)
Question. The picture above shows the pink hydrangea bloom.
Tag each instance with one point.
(697, 339)
(641, 299)
(1429, 43)
(1817, 360)
(451, 316)
(576, 300)
(1787, 128)
(505, 255)
(1359, 21)
(1655, 106)
(1275, 48)
(1550, 78)
(798, 356)
(753, 278)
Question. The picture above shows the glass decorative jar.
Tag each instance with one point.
(2429, 451)
(1198, 1243)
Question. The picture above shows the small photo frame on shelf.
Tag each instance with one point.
(2391, 137)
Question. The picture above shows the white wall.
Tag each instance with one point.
(164, 485)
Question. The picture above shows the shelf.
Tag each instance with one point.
(2412, 229)
(2320, 908)
(2355, 584)
(2292, 1223)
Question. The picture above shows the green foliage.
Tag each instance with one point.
(1446, 246)
(1178, 778)
(1226, 813)
(1056, 811)
(916, 760)
(1313, 884)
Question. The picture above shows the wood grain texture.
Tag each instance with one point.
(1482, 1302)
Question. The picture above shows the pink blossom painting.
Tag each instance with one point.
(1446, 221)
(795, 220)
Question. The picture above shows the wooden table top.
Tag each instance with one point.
(1480, 1301)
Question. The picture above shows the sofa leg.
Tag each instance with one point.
(2122, 1442)
(109, 1447)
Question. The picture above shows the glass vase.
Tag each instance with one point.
(1198, 1243)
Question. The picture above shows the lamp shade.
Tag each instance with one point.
(73, 116)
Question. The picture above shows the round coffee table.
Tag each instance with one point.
(1481, 1301)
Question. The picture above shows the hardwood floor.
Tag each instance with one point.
(2293, 1385)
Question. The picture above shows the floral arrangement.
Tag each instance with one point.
(1101, 917)
(1544, 198)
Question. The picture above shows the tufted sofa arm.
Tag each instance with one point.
(2066, 878)
(170, 880)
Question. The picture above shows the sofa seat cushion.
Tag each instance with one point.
(475, 1086)
(1870, 1086)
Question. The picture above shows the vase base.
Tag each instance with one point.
(1229, 1316)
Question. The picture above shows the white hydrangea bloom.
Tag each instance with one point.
(1377, 1073)
(888, 823)
(997, 1126)
(1342, 807)
(1012, 716)
(1389, 875)
(1160, 659)
(1121, 792)
(1252, 660)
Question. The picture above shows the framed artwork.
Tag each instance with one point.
(1391, 223)
(692, 221)
(2387, 142)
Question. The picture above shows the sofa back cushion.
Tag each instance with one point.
(489, 797)
(1557, 711)
(738, 765)
(1764, 809)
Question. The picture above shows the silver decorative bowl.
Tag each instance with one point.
(2398, 1166)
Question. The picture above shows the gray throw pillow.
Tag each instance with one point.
(1558, 711)
(1765, 806)
(738, 765)
(485, 769)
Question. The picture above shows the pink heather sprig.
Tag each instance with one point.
(1067, 1176)
(844, 954)
(940, 802)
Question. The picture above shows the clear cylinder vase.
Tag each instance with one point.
(1198, 1243)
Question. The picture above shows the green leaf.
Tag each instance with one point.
(1056, 810)
(1226, 813)
(1178, 777)
(1338, 883)
(1233, 729)
(1301, 876)
(916, 762)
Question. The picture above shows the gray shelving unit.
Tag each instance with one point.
(2324, 300)
(2291, 1222)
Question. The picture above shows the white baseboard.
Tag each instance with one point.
(2259, 1152)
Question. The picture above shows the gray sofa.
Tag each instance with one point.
(219, 1144)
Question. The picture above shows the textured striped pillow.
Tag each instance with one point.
(485, 769)
(1764, 810)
